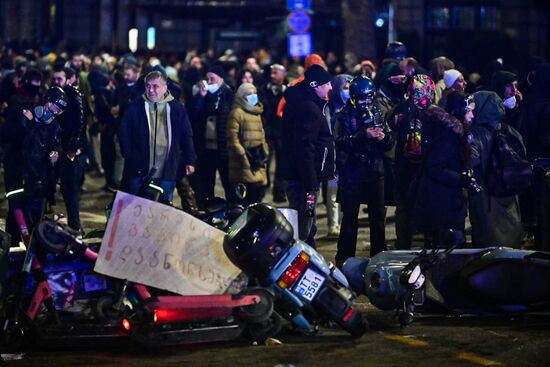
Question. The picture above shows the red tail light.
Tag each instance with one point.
(126, 325)
(348, 314)
(294, 271)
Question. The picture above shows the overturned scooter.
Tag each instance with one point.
(488, 281)
(309, 290)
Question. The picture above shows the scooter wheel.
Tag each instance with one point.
(12, 339)
(358, 328)
(259, 332)
(105, 307)
(261, 311)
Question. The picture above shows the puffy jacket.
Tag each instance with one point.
(308, 155)
(245, 130)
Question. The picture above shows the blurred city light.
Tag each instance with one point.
(133, 39)
(151, 38)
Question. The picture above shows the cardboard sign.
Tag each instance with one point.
(156, 245)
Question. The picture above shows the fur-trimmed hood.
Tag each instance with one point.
(437, 115)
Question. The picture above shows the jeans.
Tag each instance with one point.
(307, 225)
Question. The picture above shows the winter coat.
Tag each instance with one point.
(12, 135)
(213, 104)
(495, 220)
(73, 121)
(245, 130)
(308, 155)
(134, 140)
(440, 201)
(534, 118)
(359, 158)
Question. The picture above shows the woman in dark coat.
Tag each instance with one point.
(441, 200)
(495, 220)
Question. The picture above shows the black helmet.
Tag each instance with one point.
(257, 239)
(396, 50)
(361, 87)
(57, 96)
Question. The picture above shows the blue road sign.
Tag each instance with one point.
(298, 4)
(299, 44)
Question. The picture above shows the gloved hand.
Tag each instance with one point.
(311, 202)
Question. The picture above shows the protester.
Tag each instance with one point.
(209, 111)
(308, 158)
(246, 144)
(406, 123)
(34, 140)
(73, 140)
(495, 220)
(156, 139)
(361, 140)
(270, 96)
(440, 202)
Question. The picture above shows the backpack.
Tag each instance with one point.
(508, 170)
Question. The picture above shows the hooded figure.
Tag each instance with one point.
(495, 221)
(246, 142)
(339, 94)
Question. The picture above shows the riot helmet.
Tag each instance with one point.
(361, 92)
(56, 97)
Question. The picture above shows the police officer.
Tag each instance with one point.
(361, 137)
(73, 141)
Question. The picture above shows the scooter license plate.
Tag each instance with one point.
(309, 285)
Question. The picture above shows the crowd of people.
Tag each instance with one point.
(388, 133)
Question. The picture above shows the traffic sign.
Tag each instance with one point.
(299, 21)
(299, 44)
(298, 4)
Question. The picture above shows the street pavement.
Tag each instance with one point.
(429, 341)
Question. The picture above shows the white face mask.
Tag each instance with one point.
(510, 103)
(212, 88)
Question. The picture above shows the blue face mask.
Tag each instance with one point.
(252, 99)
(345, 95)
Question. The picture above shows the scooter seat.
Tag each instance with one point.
(507, 281)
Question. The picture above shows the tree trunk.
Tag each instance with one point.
(358, 25)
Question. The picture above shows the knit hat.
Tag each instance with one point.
(314, 59)
(450, 76)
(500, 79)
(217, 69)
(316, 75)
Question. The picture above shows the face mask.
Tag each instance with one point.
(345, 95)
(212, 88)
(510, 103)
(252, 99)
(43, 114)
